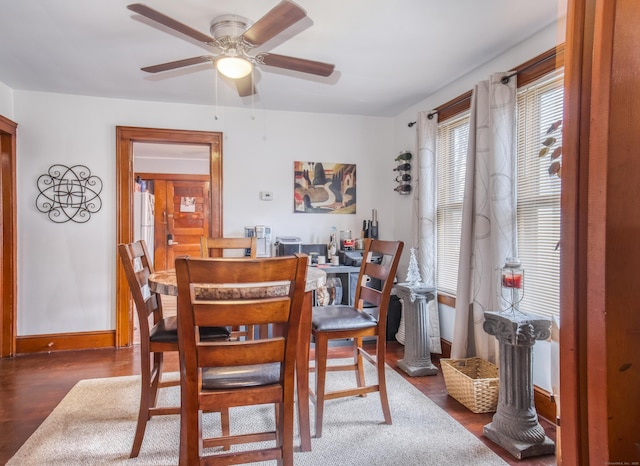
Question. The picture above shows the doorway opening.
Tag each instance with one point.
(126, 138)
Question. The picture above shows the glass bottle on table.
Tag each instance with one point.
(332, 249)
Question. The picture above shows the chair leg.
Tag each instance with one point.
(382, 379)
(357, 360)
(190, 435)
(321, 350)
(286, 431)
(148, 395)
(302, 385)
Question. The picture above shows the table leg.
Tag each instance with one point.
(302, 374)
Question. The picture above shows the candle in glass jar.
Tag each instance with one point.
(512, 280)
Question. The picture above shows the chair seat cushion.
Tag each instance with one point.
(216, 378)
(335, 318)
(166, 331)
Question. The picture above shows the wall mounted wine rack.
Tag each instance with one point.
(403, 169)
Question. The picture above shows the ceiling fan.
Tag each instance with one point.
(236, 36)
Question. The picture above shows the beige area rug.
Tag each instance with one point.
(95, 422)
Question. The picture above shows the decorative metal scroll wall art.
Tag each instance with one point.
(69, 193)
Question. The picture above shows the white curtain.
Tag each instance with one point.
(425, 195)
(488, 214)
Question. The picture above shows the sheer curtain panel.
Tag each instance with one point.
(488, 214)
(426, 204)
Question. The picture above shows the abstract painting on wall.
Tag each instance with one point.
(325, 188)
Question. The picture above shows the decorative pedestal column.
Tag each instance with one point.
(515, 425)
(415, 312)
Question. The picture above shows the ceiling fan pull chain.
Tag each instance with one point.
(216, 96)
(253, 102)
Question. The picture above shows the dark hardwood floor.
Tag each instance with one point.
(32, 385)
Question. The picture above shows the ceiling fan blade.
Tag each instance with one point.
(172, 65)
(295, 64)
(170, 23)
(276, 20)
(245, 86)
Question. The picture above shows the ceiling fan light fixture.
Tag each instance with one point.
(234, 67)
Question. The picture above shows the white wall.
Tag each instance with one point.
(66, 272)
(405, 138)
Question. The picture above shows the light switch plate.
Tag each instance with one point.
(266, 195)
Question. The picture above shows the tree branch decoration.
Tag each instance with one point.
(69, 193)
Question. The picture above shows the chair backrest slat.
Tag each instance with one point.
(215, 247)
(238, 353)
(257, 312)
(137, 268)
(370, 295)
(377, 273)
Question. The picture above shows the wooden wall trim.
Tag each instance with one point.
(65, 341)
(572, 271)
(447, 300)
(171, 177)
(8, 238)
(545, 404)
(527, 72)
(445, 345)
(454, 106)
(599, 422)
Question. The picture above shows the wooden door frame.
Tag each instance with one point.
(125, 137)
(599, 345)
(8, 244)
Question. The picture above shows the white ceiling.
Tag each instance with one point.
(388, 55)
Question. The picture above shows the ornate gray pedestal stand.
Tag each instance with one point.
(417, 356)
(515, 425)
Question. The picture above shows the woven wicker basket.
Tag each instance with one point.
(473, 382)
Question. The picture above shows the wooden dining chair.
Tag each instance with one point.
(375, 281)
(158, 334)
(215, 247)
(228, 374)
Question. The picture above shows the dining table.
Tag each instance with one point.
(165, 282)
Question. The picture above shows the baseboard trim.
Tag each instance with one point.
(65, 341)
(545, 404)
(445, 346)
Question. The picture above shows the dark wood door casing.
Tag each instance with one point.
(125, 137)
(8, 245)
(600, 322)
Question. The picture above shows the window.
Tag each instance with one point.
(538, 196)
(538, 207)
(451, 156)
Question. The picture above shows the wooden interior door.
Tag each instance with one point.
(182, 211)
